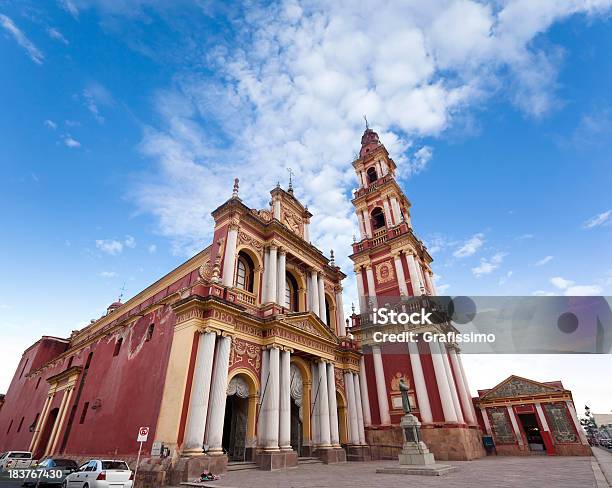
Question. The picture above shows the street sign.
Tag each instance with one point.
(143, 434)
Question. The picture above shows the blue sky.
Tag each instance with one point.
(123, 125)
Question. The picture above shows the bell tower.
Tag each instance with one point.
(389, 259)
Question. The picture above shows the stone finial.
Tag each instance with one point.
(332, 260)
(236, 186)
(353, 306)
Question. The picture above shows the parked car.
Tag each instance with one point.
(52, 472)
(16, 460)
(101, 473)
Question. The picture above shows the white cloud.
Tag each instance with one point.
(470, 246)
(487, 266)
(152, 249)
(57, 35)
(505, 278)
(109, 246)
(294, 84)
(583, 290)
(129, 241)
(107, 274)
(544, 260)
(35, 54)
(604, 218)
(524, 237)
(569, 288)
(561, 283)
(50, 124)
(70, 7)
(69, 141)
(96, 95)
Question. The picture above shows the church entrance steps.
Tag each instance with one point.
(309, 460)
(241, 465)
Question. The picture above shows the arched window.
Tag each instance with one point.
(378, 218)
(291, 293)
(327, 313)
(244, 272)
(372, 176)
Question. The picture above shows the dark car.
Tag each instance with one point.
(52, 472)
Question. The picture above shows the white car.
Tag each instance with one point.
(16, 460)
(101, 473)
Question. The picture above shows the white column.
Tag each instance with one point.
(263, 394)
(464, 393)
(515, 426)
(367, 224)
(277, 209)
(399, 271)
(397, 216)
(360, 426)
(200, 393)
(340, 314)
(365, 399)
(364, 179)
(572, 411)
(485, 419)
(272, 402)
(378, 169)
(381, 387)
(324, 406)
(265, 292)
(466, 385)
(442, 382)
(272, 275)
(414, 274)
(542, 417)
(281, 278)
(314, 292)
(315, 398)
(451, 383)
(229, 257)
(432, 284)
(284, 434)
(385, 168)
(428, 282)
(371, 287)
(307, 231)
(361, 291)
(353, 427)
(322, 311)
(421, 275)
(333, 406)
(218, 396)
(362, 226)
(388, 219)
(419, 383)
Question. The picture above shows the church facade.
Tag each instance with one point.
(243, 352)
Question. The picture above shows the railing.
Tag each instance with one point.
(245, 297)
(373, 186)
(381, 236)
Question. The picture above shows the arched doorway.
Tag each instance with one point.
(235, 421)
(46, 434)
(342, 420)
(296, 389)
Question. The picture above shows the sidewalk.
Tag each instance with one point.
(604, 459)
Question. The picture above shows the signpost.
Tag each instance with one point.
(143, 435)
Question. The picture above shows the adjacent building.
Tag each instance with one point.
(525, 417)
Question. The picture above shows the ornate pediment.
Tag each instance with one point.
(310, 324)
(515, 386)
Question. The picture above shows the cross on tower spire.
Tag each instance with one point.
(290, 189)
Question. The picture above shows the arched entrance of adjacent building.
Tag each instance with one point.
(46, 434)
(235, 423)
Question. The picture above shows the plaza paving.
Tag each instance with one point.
(492, 472)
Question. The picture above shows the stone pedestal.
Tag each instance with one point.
(415, 457)
(190, 468)
(273, 460)
(358, 453)
(331, 456)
